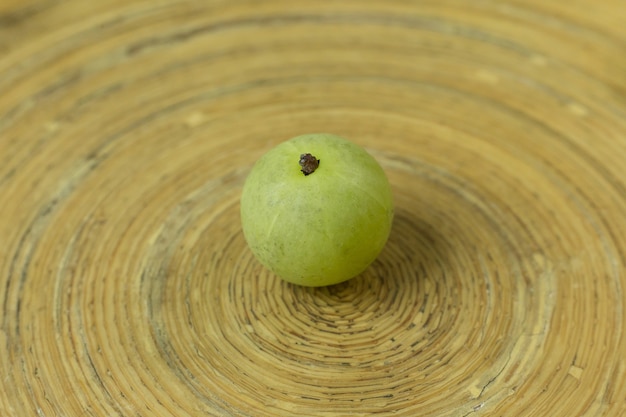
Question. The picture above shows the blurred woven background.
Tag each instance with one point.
(127, 129)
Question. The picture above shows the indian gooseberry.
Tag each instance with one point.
(316, 210)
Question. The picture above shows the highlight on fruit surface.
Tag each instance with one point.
(316, 210)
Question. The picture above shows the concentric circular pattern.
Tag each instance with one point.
(127, 129)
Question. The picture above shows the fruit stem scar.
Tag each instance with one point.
(309, 163)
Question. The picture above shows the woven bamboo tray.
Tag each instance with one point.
(127, 129)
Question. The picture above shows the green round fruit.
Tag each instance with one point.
(316, 210)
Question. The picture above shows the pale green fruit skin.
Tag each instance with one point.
(320, 229)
